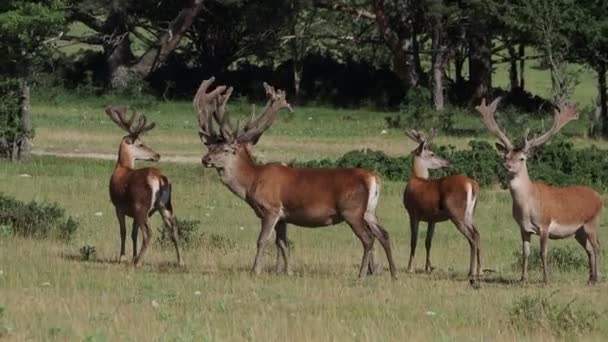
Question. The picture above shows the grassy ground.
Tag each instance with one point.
(48, 292)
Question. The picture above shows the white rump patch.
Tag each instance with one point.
(155, 187)
(471, 199)
(373, 195)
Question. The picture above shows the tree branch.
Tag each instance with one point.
(88, 19)
(336, 5)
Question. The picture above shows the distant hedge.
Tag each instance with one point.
(558, 163)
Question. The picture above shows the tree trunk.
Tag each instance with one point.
(480, 64)
(117, 48)
(22, 145)
(513, 76)
(603, 97)
(169, 41)
(522, 64)
(402, 45)
(438, 66)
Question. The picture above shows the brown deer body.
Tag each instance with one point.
(451, 198)
(280, 194)
(139, 193)
(548, 211)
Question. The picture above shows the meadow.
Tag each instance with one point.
(48, 292)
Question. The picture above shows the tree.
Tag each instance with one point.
(589, 39)
(116, 22)
(27, 29)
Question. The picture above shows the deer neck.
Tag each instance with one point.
(520, 185)
(125, 160)
(239, 176)
(419, 170)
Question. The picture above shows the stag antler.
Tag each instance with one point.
(487, 115)
(135, 125)
(206, 105)
(212, 107)
(257, 125)
(420, 137)
(562, 115)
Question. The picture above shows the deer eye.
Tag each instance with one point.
(522, 159)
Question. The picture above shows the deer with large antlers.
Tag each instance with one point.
(451, 198)
(139, 193)
(280, 194)
(548, 211)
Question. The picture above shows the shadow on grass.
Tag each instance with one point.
(79, 258)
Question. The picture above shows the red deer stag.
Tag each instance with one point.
(541, 209)
(280, 194)
(451, 198)
(138, 193)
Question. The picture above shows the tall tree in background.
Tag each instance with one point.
(589, 40)
(27, 29)
(114, 23)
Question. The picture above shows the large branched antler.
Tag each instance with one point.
(135, 125)
(257, 125)
(487, 115)
(207, 105)
(420, 137)
(562, 115)
(211, 107)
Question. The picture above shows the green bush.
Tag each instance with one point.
(558, 164)
(562, 258)
(35, 220)
(531, 312)
(190, 235)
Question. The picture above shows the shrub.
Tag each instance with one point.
(562, 258)
(191, 236)
(557, 164)
(188, 233)
(87, 252)
(531, 312)
(36, 220)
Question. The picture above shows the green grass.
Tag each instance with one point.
(48, 292)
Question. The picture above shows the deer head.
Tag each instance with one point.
(423, 153)
(135, 125)
(225, 144)
(515, 157)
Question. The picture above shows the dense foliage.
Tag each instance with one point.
(35, 220)
(558, 164)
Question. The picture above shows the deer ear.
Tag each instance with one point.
(419, 149)
(502, 149)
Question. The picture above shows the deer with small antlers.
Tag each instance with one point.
(451, 198)
(139, 193)
(280, 194)
(544, 210)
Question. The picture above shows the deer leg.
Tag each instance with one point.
(586, 240)
(427, 244)
(544, 239)
(413, 241)
(123, 233)
(282, 247)
(147, 232)
(382, 235)
(525, 239)
(134, 232)
(360, 229)
(475, 232)
(268, 224)
(171, 225)
(371, 267)
(472, 246)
